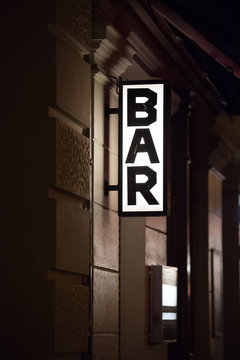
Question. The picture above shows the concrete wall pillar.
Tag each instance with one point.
(179, 224)
(200, 148)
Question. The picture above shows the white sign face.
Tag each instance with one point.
(142, 148)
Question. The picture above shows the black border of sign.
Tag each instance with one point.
(165, 132)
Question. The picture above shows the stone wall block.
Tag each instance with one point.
(106, 169)
(71, 328)
(72, 160)
(73, 80)
(113, 123)
(99, 111)
(155, 248)
(105, 302)
(106, 238)
(72, 247)
(105, 126)
(215, 232)
(157, 222)
(215, 195)
(75, 17)
(105, 347)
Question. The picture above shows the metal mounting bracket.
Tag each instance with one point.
(108, 188)
(111, 111)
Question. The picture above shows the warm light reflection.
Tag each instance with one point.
(169, 295)
(169, 316)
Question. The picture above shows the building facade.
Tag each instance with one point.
(75, 275)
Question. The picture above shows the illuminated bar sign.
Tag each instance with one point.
(142, 148)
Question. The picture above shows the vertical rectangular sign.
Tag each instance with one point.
(142, 148)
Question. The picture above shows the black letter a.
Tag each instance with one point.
(148, 146)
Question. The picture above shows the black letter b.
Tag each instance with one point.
(147, 107)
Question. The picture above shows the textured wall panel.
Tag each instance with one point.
(105, 347)
(71, 318)
(106, 238)
(155, 248)
(73, 79)
(105, 168)
(113, 123)
(72, 157)
(158, 223)
(72, 238)
(75, 17)
(105, 302)
(215, 194)
(105, 127)
(215, 232)
(99, 117)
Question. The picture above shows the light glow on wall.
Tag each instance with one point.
(169, 295)
(169, 316)
(163, 303)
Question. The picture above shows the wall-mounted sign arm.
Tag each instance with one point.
(108, 188)
(110, 111)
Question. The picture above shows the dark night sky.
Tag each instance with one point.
(219, 22)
